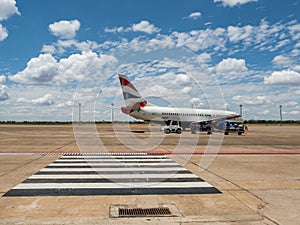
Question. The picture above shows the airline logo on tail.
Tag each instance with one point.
(133, 100)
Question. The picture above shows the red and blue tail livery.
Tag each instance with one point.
(133, 100)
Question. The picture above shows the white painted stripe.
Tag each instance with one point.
(113, 156)
(111, 169)
(113, 164)
(111, 176)
(113, 159)
(112, 185)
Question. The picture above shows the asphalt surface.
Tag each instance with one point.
(257, 175)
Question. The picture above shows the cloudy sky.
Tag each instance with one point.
(209, 53)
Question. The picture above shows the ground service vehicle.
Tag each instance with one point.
(221, 126)
(173, 127)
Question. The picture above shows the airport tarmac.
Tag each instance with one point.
(258, 175)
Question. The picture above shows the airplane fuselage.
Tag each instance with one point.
(156, 113)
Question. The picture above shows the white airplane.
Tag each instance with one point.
(139, 108)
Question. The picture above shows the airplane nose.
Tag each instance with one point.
(234, 115)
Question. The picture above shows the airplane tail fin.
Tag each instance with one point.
(133, 100)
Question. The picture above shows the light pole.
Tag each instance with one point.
(112, 112)
(79, 113)
(280, 112)
(241, 110)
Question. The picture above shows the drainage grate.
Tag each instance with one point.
(136, 212)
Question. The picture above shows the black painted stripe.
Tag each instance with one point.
(110, 191)
(113, 172)
(116, 166)
(112, 157)
(113, 180)
(114, 161)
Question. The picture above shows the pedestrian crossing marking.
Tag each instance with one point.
(112, 174)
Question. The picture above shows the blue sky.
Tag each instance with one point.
(209, 53)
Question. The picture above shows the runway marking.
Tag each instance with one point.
(109, 174)
(100, 155)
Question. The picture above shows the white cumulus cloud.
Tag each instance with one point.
(236, 34)
(77, 66)
(114, 30)
(231, 66)
(3, 33)
(297, 68)
(45, 69)
(295, 31)
(22, 100)
(65, 29)
(65, 104)
(197, 102)
(49, 49)
(39, 70)
(194, 15)
(265, 112)
(284, 77)
(3, 93)
(281, 60)
(143, 26)
(290, 104)
(201, 39)
(2, 79)
(47, 99)
(258, 100)
(7, 9)
(203, 58)
(232, 3)
(183, 80)
(295, 112)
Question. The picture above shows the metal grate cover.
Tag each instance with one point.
(140, 212)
